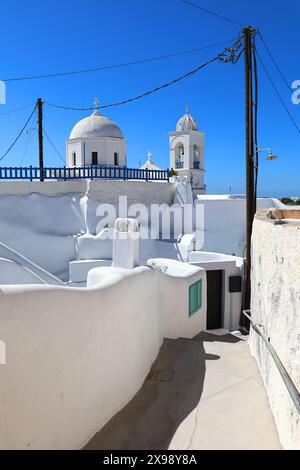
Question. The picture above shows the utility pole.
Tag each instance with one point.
(248, 33)
(40, 130)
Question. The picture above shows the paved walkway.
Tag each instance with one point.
(204, 393)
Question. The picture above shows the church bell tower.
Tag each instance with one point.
(187, 152)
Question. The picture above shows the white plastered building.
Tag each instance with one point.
(96, 140)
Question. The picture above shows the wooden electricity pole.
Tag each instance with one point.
(40, 131)
(250, 165)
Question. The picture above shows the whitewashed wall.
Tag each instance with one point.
(276, 306)
(14, 273)
(75, 357)
(41, 220)
(225, 222)
(105, 148)
(75, 146)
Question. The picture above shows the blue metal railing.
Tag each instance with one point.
(91, 172)
(179, 165)
(196, 165)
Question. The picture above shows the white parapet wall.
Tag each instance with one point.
(276, 307)
(42, 220)
(75, 357)
(225, 222)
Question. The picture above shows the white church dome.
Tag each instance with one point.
(95, 126)
(186, 123)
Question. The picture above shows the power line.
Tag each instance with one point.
(29, 134)
(211, 12)
(16, 110)
(147, 93)
(114, 66)
(26, 147)
(19, 135)
(228, 55)
(274, 62)
(278, 94)
(53, 146)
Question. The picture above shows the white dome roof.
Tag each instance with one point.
(96, 125)
(186, 123)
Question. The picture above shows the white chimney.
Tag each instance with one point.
(126, 243)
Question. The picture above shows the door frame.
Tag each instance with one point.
(222, 296)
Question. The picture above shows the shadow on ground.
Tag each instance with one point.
(171, 391)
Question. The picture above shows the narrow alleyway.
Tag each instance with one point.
(204, 393)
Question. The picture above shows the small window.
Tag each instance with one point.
(195, 298)
(74, 158)
(94, 158)
(116, 159)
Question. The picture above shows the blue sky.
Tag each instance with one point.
(43, 37)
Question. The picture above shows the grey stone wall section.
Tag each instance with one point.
(276, 308)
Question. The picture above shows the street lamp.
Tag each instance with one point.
(271, 155)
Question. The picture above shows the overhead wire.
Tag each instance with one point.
(16, 110)
(210, 12)
(143, 95)
(29, 134)
(53, 146)
(26, 148)
(274, 62)
(228, 55)
(278, 93)
(113, 66)
(19, 135)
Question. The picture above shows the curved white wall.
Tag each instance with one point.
(75, 357)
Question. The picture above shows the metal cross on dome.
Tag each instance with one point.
(96, 103)
(187, 109)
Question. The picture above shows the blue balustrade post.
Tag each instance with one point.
(168, 175)
(30, 173)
